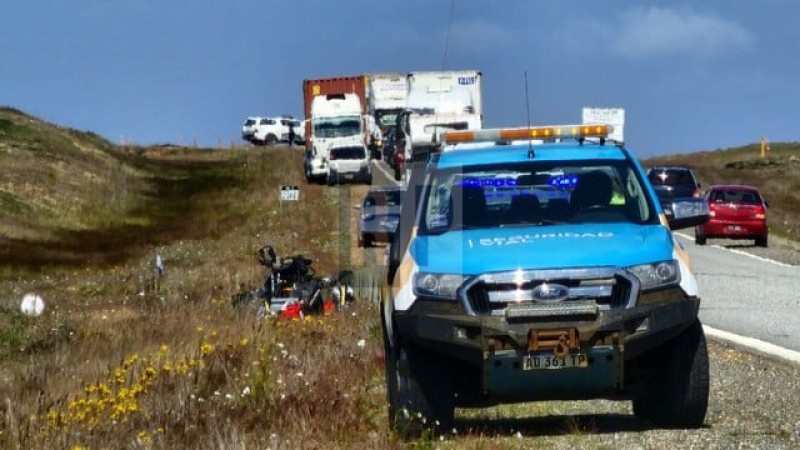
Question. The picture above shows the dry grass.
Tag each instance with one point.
(124, 359)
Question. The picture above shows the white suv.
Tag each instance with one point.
(271, 130)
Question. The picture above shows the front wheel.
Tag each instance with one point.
(271, 139)
(398, 172)
(419, 390)
(761, 242)
(675, 386)
(699, 238)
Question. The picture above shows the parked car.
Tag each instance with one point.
(501, 289)
(380, 213)
(671, 182)
(271, 130)
(737, 212)
(349, 162)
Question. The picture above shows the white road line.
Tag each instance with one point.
(754, 344)
(739, 252)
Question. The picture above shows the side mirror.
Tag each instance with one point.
(688, 212)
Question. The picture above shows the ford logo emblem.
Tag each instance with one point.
(547, 292)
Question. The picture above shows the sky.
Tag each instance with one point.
(691, 76)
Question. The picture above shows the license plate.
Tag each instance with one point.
(551, 361)
(734, 227)
(348, 176)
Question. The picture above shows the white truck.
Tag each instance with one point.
(437, 102)
(386, 97)
(336, 120)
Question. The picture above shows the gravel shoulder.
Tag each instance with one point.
(753, 404)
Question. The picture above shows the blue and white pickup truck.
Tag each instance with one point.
(536, 264)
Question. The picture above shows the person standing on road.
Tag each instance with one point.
(291, 134)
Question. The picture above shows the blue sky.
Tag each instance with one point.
(691, 75)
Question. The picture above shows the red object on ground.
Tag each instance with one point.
(292, 311)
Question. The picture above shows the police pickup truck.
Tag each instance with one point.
(536, 264)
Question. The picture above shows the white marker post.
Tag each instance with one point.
(289, 194)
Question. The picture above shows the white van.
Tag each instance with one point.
(349, 162)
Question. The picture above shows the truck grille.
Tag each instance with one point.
(583, 292)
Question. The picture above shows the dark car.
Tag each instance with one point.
(737, 212)
(380, 213)
(673, 182)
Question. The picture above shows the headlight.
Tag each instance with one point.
(437, 285)
(657, 274)
(367, 216)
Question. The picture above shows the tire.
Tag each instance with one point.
(271, 139)
(331, 179)
(366, 240)
(675, 386)
(762, 242)
(699, 236)
(398, 175)
(368, 180)
(420, 392)
(308, 174)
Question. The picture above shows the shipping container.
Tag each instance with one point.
(336, 85)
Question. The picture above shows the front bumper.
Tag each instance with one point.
(495, 346)
(744, 229)
(361, 174)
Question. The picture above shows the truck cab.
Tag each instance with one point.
(536, 264)
(336, 120)
(436, 102)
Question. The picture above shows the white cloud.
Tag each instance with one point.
(664, 32)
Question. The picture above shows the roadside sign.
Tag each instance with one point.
(608, 116)
(290, 193)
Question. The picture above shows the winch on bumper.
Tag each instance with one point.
(575, 348)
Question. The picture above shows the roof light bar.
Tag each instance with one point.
(540, 132)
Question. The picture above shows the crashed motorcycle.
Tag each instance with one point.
(290, 290)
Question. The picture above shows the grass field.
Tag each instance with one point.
(123, 358)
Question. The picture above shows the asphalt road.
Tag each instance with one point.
(751, 295)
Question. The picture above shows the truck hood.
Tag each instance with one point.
(473, 252)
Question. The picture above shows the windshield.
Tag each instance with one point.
(534, 193)
(348, 153)
(342, 126)
(671, 177)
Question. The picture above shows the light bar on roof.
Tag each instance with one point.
(539, 132)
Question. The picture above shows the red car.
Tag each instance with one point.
(737, 212)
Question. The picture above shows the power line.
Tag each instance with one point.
(447, 35)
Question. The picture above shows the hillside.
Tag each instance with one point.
(777, 177)
(70, 197)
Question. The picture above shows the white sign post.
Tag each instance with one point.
(289, 194)
(607, 116)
